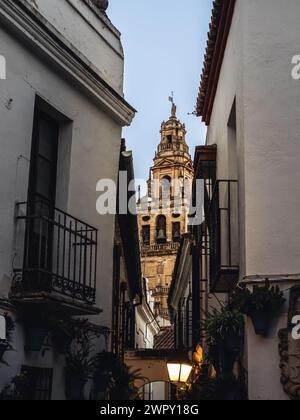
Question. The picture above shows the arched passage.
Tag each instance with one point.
(156, 391)
(152, 364)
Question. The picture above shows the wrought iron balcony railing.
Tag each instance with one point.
(167, 248)
(59, 253)
(160, 290)
(224, 236)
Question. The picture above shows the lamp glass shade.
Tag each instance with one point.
(179, 372)
(174, 371)
(185, 373)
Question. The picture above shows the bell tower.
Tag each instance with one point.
(164, 219)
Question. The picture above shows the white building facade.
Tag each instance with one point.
(250, 103)
(62, 114)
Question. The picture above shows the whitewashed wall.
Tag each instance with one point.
(89, 146)
(257, 71)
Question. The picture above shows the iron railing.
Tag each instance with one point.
(223, 229)
(170, 247)
(160, 290)
(60, 253)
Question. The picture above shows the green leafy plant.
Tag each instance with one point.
(72, 328)
(264, 298)
(224, 331)
(64, 331)
(223, 323)
(119, 378)
(18, 388)
(80, 362)
(262, 304)
(79, 369)
(221, 388)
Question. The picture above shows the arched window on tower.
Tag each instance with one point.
(176, 232)
(161, 229)
(146, 234)
(166, 188)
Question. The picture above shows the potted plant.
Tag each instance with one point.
(65, 330)
(80, 365)
(18, 390)
(226, 326)
(261, 305)
(220, 388)
(79, 370)
(35, 337)
(203, 389)
(224, 332)
(115, 379)
(6, 345)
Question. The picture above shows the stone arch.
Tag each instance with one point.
(152, 364)
(166, 187)
(161, 228)
(150, 369)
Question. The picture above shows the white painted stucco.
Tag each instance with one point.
(256, 70)
(89, 143)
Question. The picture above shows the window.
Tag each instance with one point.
(146, 235)
(38, 384)
(129, 326)
(176, 232)
(43, 167)
(166, 188)
(161, 229)
(42, 192)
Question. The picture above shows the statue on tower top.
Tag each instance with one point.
(174, 107)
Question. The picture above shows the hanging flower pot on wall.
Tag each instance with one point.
(262, 305)
(35, 337)
(261, 321)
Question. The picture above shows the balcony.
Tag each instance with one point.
(169, 248)
(160, 291)
(56, 260)
(224, 236)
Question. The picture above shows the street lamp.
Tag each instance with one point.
(179, 372)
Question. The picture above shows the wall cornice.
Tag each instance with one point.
(38, 34)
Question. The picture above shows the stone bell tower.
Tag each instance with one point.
(162, 221)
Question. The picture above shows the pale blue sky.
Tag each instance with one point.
(164, 43)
